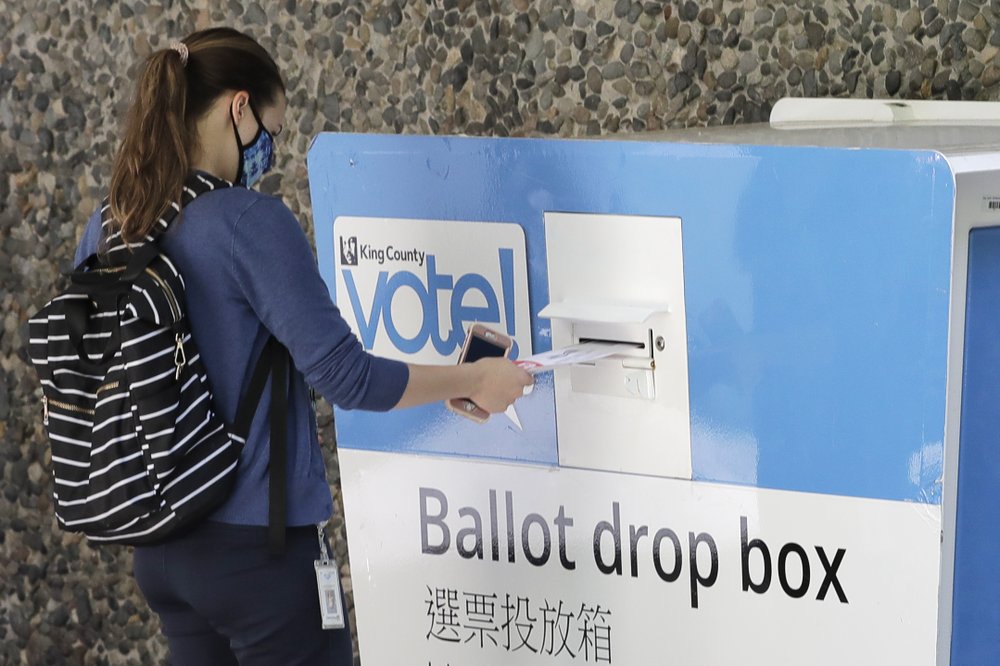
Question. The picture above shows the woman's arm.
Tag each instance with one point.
(492, 383)
(275, 269)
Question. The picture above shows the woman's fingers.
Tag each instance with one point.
(501, 383)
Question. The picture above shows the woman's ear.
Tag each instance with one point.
(238, 106)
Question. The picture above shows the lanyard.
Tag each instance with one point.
(321, 535)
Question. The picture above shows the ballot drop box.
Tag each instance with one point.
(796, 460)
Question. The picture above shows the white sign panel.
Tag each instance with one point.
(410, 288)
(461, 563)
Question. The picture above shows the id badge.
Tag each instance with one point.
(331, 606)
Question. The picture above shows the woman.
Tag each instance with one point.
(213, 104)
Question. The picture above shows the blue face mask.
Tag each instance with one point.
(257, 157)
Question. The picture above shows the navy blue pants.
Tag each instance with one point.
(221, 599)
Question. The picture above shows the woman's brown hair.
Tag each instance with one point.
(170, 97)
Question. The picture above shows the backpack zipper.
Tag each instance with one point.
(72, 408)
(46, 403)
(175, 309)
(180, 357)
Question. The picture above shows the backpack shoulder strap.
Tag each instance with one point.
(274, 363)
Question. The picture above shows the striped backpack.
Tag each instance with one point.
(138, 453)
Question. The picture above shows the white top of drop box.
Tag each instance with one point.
(951, 128)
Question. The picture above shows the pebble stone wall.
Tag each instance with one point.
(483, 67)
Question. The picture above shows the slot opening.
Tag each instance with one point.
(637, 345)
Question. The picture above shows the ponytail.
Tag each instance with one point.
(153, 159)
(176, 87)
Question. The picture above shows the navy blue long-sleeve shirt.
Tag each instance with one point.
(249, 270)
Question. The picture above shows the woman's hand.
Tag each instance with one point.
(499, 384)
